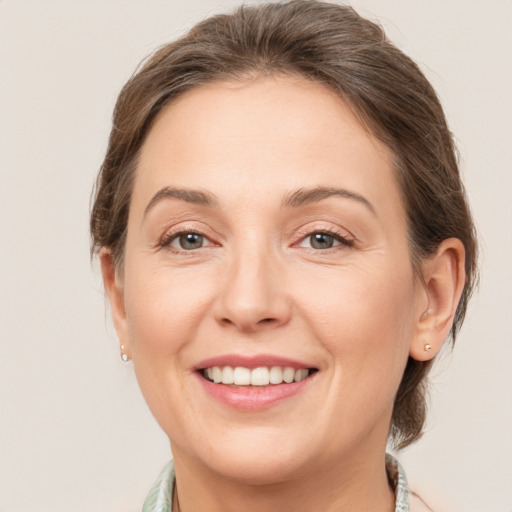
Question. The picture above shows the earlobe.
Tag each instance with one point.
(114, 289)
(444, 278)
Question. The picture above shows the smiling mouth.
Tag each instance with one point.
(261, 376)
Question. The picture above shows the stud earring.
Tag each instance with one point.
(427, 347)
(124, 356)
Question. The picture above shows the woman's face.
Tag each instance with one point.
(266, 231)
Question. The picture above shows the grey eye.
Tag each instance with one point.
(189, 241)
(321, 241)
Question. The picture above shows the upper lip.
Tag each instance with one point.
(252, 361)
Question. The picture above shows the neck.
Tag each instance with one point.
(346, 486)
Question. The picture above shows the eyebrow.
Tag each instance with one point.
(197, 197)
(295, 199)
(306, 196)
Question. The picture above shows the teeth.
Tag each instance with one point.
(261, 376)
(288, 375)
(300, 375)
(227, 375)
(242, 376)
(217, 374)
(275, 375)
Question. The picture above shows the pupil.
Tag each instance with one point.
(191, 241)
(321, 241)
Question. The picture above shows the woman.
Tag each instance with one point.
(286, 245)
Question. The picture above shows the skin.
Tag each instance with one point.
(356, 311)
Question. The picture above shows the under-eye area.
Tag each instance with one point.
(261, 376)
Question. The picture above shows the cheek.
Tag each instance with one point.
(164, 308)
(364, 318)
(164, 311)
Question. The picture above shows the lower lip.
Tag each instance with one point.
(253, 397)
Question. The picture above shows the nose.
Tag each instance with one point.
(254, 295)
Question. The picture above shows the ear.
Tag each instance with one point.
(114, 288)
(444, 277)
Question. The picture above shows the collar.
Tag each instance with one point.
(159, 498)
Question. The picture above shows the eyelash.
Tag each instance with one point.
(166, 240)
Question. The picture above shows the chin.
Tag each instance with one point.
(257, 459)
(260, 470)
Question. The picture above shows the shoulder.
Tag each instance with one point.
(417, 504)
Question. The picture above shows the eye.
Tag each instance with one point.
(322, 240)
(186, 241)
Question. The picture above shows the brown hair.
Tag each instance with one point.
(333, 45)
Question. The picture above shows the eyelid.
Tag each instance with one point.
(329, 229)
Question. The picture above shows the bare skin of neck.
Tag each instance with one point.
(340, 488)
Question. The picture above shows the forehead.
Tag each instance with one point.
(238, 139)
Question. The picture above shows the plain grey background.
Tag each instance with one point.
(75, 434)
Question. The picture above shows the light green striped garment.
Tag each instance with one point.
(160, 497)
